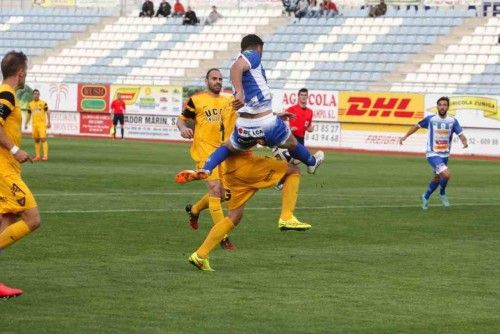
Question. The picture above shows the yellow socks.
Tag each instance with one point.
(13, 233)
(45, 147)
(37, 149)
(201, 205)
(215, 236)
(215, 209)
(289, 196)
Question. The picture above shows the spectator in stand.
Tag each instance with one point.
(178, 9)
(378, 10)
(213, 16)
(148, 9)
(190, 17)
(314, 9)
(164, 10)
(290, 6)
(330, 8)
(302, 9)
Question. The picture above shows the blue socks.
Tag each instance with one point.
(301, 153)
(216, 158)
(432, 186)
(443, 183)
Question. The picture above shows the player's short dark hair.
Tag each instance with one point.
(12, 62)
(251, 41)
(444, 98)
(303, 90)
(210, 71)
(36, 90)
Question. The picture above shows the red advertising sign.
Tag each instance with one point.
(95, 124)
(93, 98)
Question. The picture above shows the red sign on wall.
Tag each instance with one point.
(95, 124)
(93, 98)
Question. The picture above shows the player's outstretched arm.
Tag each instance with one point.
(236, 75)
(463, 139)
(412, 130)
(48, 120)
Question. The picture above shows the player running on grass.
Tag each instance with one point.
(214, 120)
(19, 213)
(441, 128)
(256, 122)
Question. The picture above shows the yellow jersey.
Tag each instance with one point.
(214, 120)
(10, 120)
(38, 110)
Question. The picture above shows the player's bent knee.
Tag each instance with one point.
(445, 175)
(293, 169)
(215, 189)
(32, 218)
(290, 143)
(235, 215)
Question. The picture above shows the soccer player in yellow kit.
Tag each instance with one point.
(38, 112)
(214, 120)
(19, 213)
(244, 175)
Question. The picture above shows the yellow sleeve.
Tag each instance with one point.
(189, 111)
(7, 105)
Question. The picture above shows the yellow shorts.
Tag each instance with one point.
(39, 131)
(15, 196)
(249, 173)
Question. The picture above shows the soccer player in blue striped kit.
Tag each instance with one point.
(441, 128)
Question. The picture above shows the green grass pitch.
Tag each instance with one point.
(111, 255)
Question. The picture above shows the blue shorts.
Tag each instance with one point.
(269, 131)
(438, 164)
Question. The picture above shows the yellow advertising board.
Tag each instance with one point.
(56, 3)
(155, 100)
(488, 105)
(380, 108)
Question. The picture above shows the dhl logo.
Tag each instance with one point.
(392, 108)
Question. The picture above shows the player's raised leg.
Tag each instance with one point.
(300, 152)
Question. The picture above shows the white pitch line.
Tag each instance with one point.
(271, 194)
(327, 207)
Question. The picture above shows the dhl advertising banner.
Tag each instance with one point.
(324, 104)
(470, 110)
(93, 98)
(150, 100)
(381, 108)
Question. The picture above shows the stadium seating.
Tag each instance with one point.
(150, 50)
(470, 66)
(348, 52)
(37, 30)
(351, 53)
